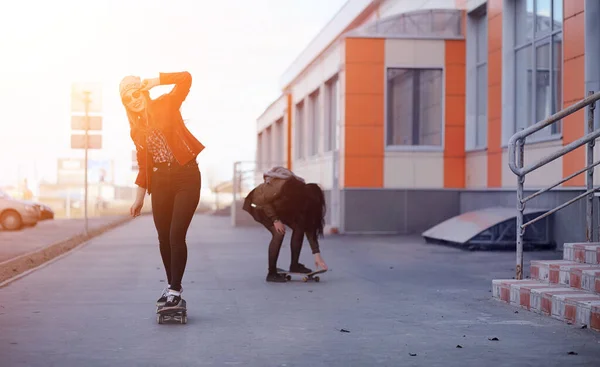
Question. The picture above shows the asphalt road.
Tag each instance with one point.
(395, 295)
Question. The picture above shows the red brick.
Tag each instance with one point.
(570, 313)
(595, 318)
(505, 293)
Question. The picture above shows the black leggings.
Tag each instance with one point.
(175, 197)
(295, 245)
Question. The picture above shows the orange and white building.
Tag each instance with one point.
(402, 109)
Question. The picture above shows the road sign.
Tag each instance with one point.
(78, 97)
(78, 141)
(78, 123)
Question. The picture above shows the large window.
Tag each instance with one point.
(538, 63)
(481, 76)
(299, 130)
(314, 124)
(332, 115)
(414, 107)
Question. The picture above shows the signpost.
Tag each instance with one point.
(86, 98)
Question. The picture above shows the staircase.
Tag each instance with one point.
(567, 290)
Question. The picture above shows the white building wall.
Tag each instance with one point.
(273, 113)
(543, 176)
(476, 169)
(394, 7)
(317, 168)
(474, 4)
(413, 170)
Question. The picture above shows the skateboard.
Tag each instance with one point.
(305, 276)
(176, 314)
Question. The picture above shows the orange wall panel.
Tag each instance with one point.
(494, 138)
(364, 141)
(454, 115)
(573, 7)
(574, 87)
(364, 79)
(364, 112)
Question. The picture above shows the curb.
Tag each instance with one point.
(11, 270)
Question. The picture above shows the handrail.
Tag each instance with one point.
(518, 140)
(512, 142)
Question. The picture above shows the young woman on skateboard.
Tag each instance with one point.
(284, 198)
(166, 155)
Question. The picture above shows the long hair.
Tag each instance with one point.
(316, 208)
(302, 204)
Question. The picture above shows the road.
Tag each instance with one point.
(395, 295)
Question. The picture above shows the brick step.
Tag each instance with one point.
(568, 273)
(582, 252)
(560, 302)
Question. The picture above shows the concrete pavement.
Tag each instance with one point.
(23, 250)
(395, 295)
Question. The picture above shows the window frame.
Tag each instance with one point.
(539, 39)
(423, 148)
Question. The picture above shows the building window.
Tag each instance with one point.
(481, 77)
(259, 150)
(333, 115)
(279, 139)
(314, 124)
(268, 157)
(538, 64)
(299, 130)
(414, 107)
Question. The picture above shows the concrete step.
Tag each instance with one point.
(568, 273)
(582, 252)
(562, 303)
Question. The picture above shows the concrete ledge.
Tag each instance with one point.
(14, 267)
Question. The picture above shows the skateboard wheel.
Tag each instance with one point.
(305, 279)
(288, 277)
(159, 319)
(184, 319)
(317, 279)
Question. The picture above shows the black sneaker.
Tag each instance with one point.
(299, 268)
(173, 300)
(163, 298)
(276, 277)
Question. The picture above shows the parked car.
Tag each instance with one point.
(15, 214)
(46, 212)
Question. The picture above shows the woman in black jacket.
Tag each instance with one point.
(285, 198)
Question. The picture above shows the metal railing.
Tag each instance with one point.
(518, 141)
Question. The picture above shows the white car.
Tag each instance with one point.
(15, 214)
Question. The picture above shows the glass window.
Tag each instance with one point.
(300, 130)
(331, 119)
(523, 85)
(543, 15)
(557, 15)
(314, 124)
(414, 107)
(524, 21)
(538, 64)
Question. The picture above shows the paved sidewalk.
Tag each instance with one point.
(395, 295)
(33, 246)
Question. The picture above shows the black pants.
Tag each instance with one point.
(296, 241)
(175, 197)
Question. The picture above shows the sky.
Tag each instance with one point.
(236, 51)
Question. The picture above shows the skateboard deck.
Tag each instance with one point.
(176, 314)
(305, 276)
